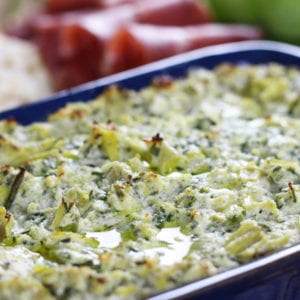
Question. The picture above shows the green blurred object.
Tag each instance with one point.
(244, 11)
(280, 19)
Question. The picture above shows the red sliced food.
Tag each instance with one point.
(173, 12)
(73, 51)
(167, 12)
(179, 12)
(72, 43)
(55, 6)
(93, 19)
(58, 6)
(72, 63)
(139, 44)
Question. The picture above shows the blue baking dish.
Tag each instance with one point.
(274, 277)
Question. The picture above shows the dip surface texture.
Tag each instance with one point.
(137, 192)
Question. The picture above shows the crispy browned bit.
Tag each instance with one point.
(7, 215)
(6, 166)
(111, 125)
(11, 120)
(194, 213)
(77, 114)
(157, 138)
(114, 87)
(60, 174)
(152, 174)
(26, 162)
(225, 69)
(149, 262)
(4, 141)
(164, 81)
(66, 240)
(96, 135)
(14, 188)
(67, 204)
(101, 279)
(204, 266)
(60, 170)
(105, 257)
(96, 132)
(129, 179)
(5, 169)
(292, 191)
(10, 123)
(268, 118)
(154, 140)
(121, 189)
(140, 262)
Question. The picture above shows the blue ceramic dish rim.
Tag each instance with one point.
(239, 52)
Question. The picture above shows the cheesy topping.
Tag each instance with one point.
(137, 192)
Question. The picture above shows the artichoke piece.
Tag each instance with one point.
(246, 235)
(17, 155)
(111, 144)
(4, 192)
(164, 157)
(249, 241)
(265, 209)
(122, 197)
(68, 248)
(66, 217)
(23, 288)
(266, 245)
(281, 172)
(115, 171)
(169, 159)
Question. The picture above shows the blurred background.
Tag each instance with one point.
(279, 18)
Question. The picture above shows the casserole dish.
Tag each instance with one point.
(274, 277)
